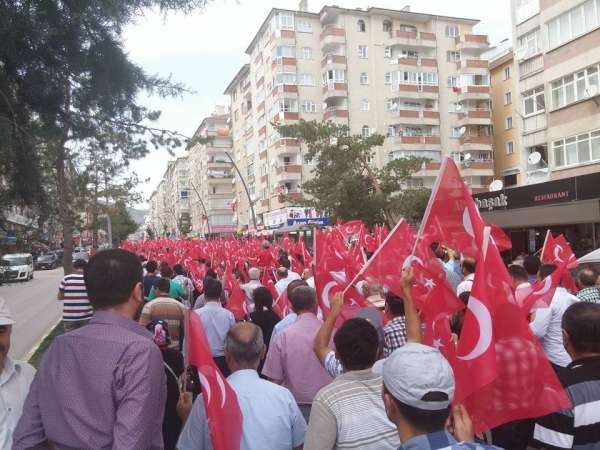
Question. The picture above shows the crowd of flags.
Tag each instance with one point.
(501, 371)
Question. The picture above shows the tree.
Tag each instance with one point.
(122, 224)
(66, 84)
(345, 181)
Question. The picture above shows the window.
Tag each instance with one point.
(363, 51)
(286, 20)
(364, 105)
(306, 79)
(184, 194)
(507, 98)
(308, 106)
(452, 56)
(304, 26)
(364, 78)
(387, 25)
(577, 149)
(575, 87)
(288, 105)
(506, 73)
(250, 169)
(387, 78)
(391, 131)
(391, 104)
(365, 131)
(455, 132)
(452, 81)
(430, 78)
(510, 147)
(305, 53)
(508, 123)
(452, 31)
(406, 53)
(474, 80)
(529, 44)
(533, 101)
(287, 51)
(284, 78)
(573, 23)
(334, 76)
(387, 52)
(360, 26)
(454, 107)
(407, 28)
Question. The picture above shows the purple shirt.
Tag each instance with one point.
(291, 359)
(101, 386)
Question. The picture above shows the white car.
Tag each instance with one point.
(20, 267)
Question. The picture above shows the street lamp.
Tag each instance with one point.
(203, 206)
(250, 201)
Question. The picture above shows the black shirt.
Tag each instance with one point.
(171, 423)
(266, 320)
(149, 281)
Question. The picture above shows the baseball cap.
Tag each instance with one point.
(5, 317)
(415, 370)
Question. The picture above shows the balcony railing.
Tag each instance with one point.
(335, 112)
(333, 59)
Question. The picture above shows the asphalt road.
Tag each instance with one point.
(34, 308)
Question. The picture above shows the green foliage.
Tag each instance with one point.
(346, 183)
(150, 233)
(121, 222)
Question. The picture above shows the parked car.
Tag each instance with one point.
(20, 266)
(80, 253)
(47, 261)
(3, 268)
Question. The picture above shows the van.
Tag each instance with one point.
(20, 266)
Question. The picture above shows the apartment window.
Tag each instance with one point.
(304, 26)
(308, 106)
(506, 73)
(452, 31)
(387, 25)
(391, 104)
(455, 132)
(577, 149)
(454, 107)
(388, 78)
(406, 28)
(306, 79)
(573, 23)
(363, 51)
(452, 56)
(574, 87)
(529, 44)
(508, 123)
(364, 105)
(474, 80)
(250, 169)
(360, 26)
(286, 20)
(288, 105)
(429, 78)
(510, 147)
(533, 101)
(391, 131)
(387, 52)
(184, 194)
(287, 51)
(365, 131)
(364, 78)
(306, 53)
(285, 78)
(452, 81)
(507, 98)
(334, 76)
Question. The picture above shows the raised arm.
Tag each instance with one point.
(413, 321)
(321, 346)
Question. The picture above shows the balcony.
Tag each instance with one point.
(218, 177)
(416, 116)
(472, 43)
(287, 146)
(413, 39)
(218, 163)
(410, 63)
(283, 61)
(473, 143)
(418, 142)
(417, 91)
(334, 62)
(288, 172)
(284, 88)
(473, 66)
(332, 37)
(219, 205)
(473, 93)
(333, 113)
(477, 116)
(335, 90)
(285, 116)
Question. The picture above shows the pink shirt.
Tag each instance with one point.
(291, 359)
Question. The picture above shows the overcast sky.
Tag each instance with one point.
(205, 50)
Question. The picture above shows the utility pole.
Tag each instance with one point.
(203, 206)
(245, 188)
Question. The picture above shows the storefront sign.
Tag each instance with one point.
(294, 215)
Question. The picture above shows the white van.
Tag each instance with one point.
(20, 266)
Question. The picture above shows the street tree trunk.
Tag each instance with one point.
(64, 211)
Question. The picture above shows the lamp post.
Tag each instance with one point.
(203, 206)
(251, 203)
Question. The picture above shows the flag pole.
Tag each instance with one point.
(368, 263)
(545, 242)
(487, 231)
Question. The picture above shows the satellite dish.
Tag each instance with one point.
(467, 157)
(459, 107)
(462, 130)
(496, 185)
(534, 158)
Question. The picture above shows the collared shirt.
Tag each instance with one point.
(547, 326)
(101, 386)
(293, 275)
(284, 323)
(394, 335)
(349, 414)
(282, 284)
(465, 285)
(291, 359)
(577, 427)
(216, 321)
(195, 434)
(441, 440)
(169, 310)
(14, 386)
(175, 291)
(332, 365)
(589, 294)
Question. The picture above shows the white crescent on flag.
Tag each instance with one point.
(205, 386)
(484, 321)
(325, 294)
(223, 390)
(557, 252)
(546, 287)
(467, 223)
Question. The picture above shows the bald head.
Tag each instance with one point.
(587, 277)
(254, 273)
(244, 346)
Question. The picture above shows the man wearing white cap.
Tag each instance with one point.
(15, 378)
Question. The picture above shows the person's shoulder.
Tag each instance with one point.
(25, 369)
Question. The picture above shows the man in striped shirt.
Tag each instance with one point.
(77, 310)
(577, 427)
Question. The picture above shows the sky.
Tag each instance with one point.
(204, 50)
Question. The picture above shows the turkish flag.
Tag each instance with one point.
(220, 400)
(267, 282)
(501, 239)
(540, 293)
(557, 251)
(501, 371)
(236, 303)
(350, 229)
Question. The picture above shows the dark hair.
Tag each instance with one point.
(469, 265)
(262, 299)
(151, 266)
(587, 277)
(464, 297)
(532, 264)
(546, 270)
(424, 420)
(79, 264)
(517, 272)
(303, 298)
(178, 269)
(110, 277)
(394, 303)
(285, 262)
(163, 284)
(357, 343)
(293, 285)
(581, 321)
(282, 272)
(210, 273)
(166, 272)
(212, 289)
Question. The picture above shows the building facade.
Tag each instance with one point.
(418, 79)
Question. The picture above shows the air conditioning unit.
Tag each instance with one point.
(394, 61)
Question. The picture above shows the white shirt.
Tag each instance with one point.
(293, 276)
(216, 321)
(547, 327)
(282, 284)
(311, 282)
(14, 387)
(466, 285)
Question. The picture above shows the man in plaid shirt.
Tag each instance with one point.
(394, 333)
(587, 283)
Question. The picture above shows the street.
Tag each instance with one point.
(34, 308)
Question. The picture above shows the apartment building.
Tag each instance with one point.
(211, 177)
(505, 119)
(417, 78)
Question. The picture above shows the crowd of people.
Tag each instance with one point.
(117, 377)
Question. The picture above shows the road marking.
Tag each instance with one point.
(36, 346)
